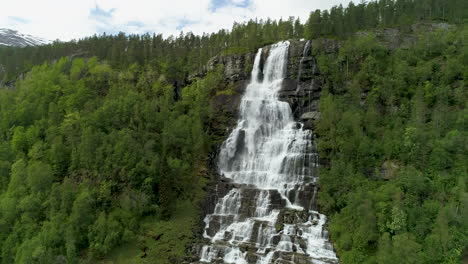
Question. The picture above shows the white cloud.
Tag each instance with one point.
(69, 19)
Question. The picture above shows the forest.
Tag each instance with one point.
(87, 152)
(103, 139)
(394, 131)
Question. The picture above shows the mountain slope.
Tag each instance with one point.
(9, 37)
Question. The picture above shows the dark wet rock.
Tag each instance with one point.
(215, 224)
(251, 257)
(275, 239)
(303, 83)
(306, 196)
(301, 259)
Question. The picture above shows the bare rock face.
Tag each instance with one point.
(226, 100)
(236, 67)
(303, 83)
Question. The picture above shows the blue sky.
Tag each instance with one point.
(72, 19)
(217, 4)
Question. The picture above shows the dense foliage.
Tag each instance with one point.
(394, 128)
(87, 152)
(344, 22)
(100, 151)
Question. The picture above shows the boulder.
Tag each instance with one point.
(314, 115)
(388, 170)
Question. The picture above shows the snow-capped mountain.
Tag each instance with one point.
(9, 37)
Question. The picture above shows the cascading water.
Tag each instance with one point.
(269, 216)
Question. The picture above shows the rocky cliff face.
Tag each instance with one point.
(243, 221)
(301, 89)
(303, 84)
(236, 70)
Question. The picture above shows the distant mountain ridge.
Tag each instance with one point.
(9, 37)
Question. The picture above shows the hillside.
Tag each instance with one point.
(110, 145)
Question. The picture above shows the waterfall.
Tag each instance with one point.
(269, 216)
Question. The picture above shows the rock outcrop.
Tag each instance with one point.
(226, 100)
(303, 83)
(236, 67)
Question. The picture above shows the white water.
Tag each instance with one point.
(268, 155)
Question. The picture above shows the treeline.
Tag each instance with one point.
(179, 56)
(175, 57)
(344, 22)
(394, 130)
(87, 151)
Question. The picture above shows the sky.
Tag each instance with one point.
(74, 19)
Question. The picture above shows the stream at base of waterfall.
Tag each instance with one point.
(269, 216)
